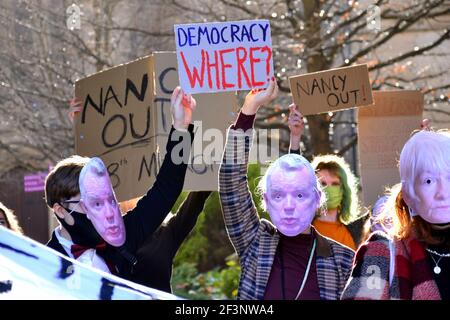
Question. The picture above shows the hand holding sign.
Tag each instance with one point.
(182, 106)
(295, 122)
(256, 98)
(296, 126)
(74, 107)
(425, 125)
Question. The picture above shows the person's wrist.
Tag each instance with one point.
(296, 138)
(180, 125)
(249, 109)
(294, 146)
(295, 142)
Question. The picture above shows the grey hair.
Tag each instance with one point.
(292, 162)
(96, 166)
(425, 150)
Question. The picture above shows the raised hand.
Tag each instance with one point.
(257, 98)
(425, 125)
(296, 126)
(295, 122)
(181, 105)
(74, 107)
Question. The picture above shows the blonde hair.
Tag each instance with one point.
(11, 219)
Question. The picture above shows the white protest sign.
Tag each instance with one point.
(32, 271)
(227, 56)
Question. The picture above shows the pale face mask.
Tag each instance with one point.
(100, 204)
(291, 201)
(432, 201)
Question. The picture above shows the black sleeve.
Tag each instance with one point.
(151, 209)
(295, 151)
(179, 227)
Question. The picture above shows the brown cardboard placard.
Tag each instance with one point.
(383, 129)
(131, 137)
(214, 113)
(331, 90)
(117, 124)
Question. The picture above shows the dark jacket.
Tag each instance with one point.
(150, 211)
(155, 257)
(356, 229)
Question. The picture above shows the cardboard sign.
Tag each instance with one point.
(331, 90)
(126, 122)
(383, 129)
(214, 113)
(225, 56)
(118, 124)
(32, 271)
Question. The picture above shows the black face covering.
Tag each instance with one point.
(82, 232)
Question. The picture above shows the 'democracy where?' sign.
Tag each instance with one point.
(331, 90)
(225, 56)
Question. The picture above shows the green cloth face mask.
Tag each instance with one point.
(334, 196)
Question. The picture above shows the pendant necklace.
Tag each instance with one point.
(437, 269)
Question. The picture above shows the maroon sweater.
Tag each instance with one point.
(244, 121)
(292, 255)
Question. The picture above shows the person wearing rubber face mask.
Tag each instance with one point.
(76, 231)
(99, 202)
(413, 258)
(92, 229)
(341, 220)
(285, 258)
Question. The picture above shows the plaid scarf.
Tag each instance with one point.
(412, 277)
(413, 272)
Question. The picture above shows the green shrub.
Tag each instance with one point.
(215, 284)
(202, 269)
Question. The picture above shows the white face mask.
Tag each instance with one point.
(100, 204)
(291, 201)
(432, 201)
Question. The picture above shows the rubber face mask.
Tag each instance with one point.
(334, 196)
(432, 201)
(100, 204)
(291, 201)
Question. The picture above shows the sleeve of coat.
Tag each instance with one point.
(185, 219)
(369, 279)
(151, 209)
(239, 211)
